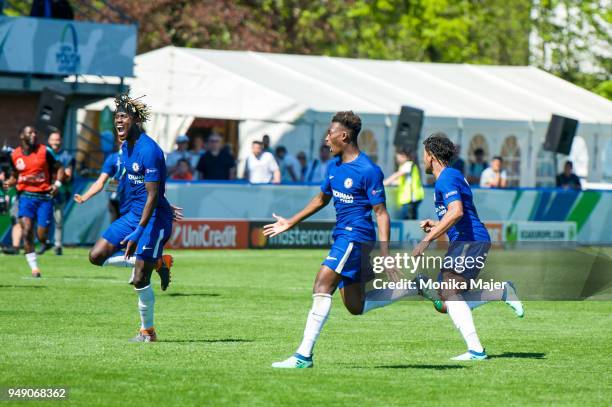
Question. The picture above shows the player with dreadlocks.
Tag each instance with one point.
(147, 226)
(468, 238)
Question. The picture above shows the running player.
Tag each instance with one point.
(468, 238)
(113, 170)
(33, 171)
(147, 226)
(356, 185)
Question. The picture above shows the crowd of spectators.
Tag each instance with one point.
(197, 158)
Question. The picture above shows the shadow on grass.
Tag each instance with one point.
(193, 294)
(519, 355)
(22, 286)
(221, 340)
(430, 367)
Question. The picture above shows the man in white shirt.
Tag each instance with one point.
(494, 176)
(261, 167)
(317, 169)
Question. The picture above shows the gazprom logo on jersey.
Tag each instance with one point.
(345, 198)
(68, 57)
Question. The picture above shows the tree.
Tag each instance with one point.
(572, 38)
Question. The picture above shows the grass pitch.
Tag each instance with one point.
(229, 314)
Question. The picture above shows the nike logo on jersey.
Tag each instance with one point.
(330, 258)
(146, 248)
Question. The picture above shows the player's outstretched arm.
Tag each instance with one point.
(452, 216)
(282, 224)
(94, 189)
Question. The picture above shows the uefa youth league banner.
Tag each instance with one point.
(66, 47)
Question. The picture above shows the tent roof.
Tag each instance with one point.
(279, 87)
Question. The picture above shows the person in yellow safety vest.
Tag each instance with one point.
(410, 190)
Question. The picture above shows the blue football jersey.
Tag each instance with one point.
(356, 187)
(144, 162)
(452, 186)
(115, 169)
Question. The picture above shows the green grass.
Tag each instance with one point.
(229, 314)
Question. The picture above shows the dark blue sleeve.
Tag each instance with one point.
(153, 162)
(450, 189)
(375, 190)
(110, 165)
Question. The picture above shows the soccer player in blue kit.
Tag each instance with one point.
(147, 226)
(355, 184)
(468, 238)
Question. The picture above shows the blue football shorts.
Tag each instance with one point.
(38, 209)
(350, 260)
(466, 259)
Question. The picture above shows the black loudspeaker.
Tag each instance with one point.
(408, 130)
(560, 134)
(51, 111)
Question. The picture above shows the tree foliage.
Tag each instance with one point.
(569, 38)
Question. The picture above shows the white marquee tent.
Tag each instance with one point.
(503, 109)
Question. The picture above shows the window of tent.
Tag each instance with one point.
(579, 156)
(478, 141)
(545, 168)
(511, 154)
(369, 144)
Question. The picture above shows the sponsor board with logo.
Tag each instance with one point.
(66, 47)
(305, 235)
(521, 231)
(539, 231)
(209, 234)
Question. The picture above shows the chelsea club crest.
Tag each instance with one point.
(135, 167)
(348, 183)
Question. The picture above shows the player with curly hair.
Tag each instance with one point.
(138, 237)
(468, 237)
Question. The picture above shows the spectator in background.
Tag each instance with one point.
(266, 143)
(476, 167)
(288, 164)
(410, 190)
(217, 163)
(261, 167)
(567, 179)
(198, 149)
(458, 162)
(182, 172)
(494, 176)
(317, 170)
(65, 191)
(181, 152)
(301, 157)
